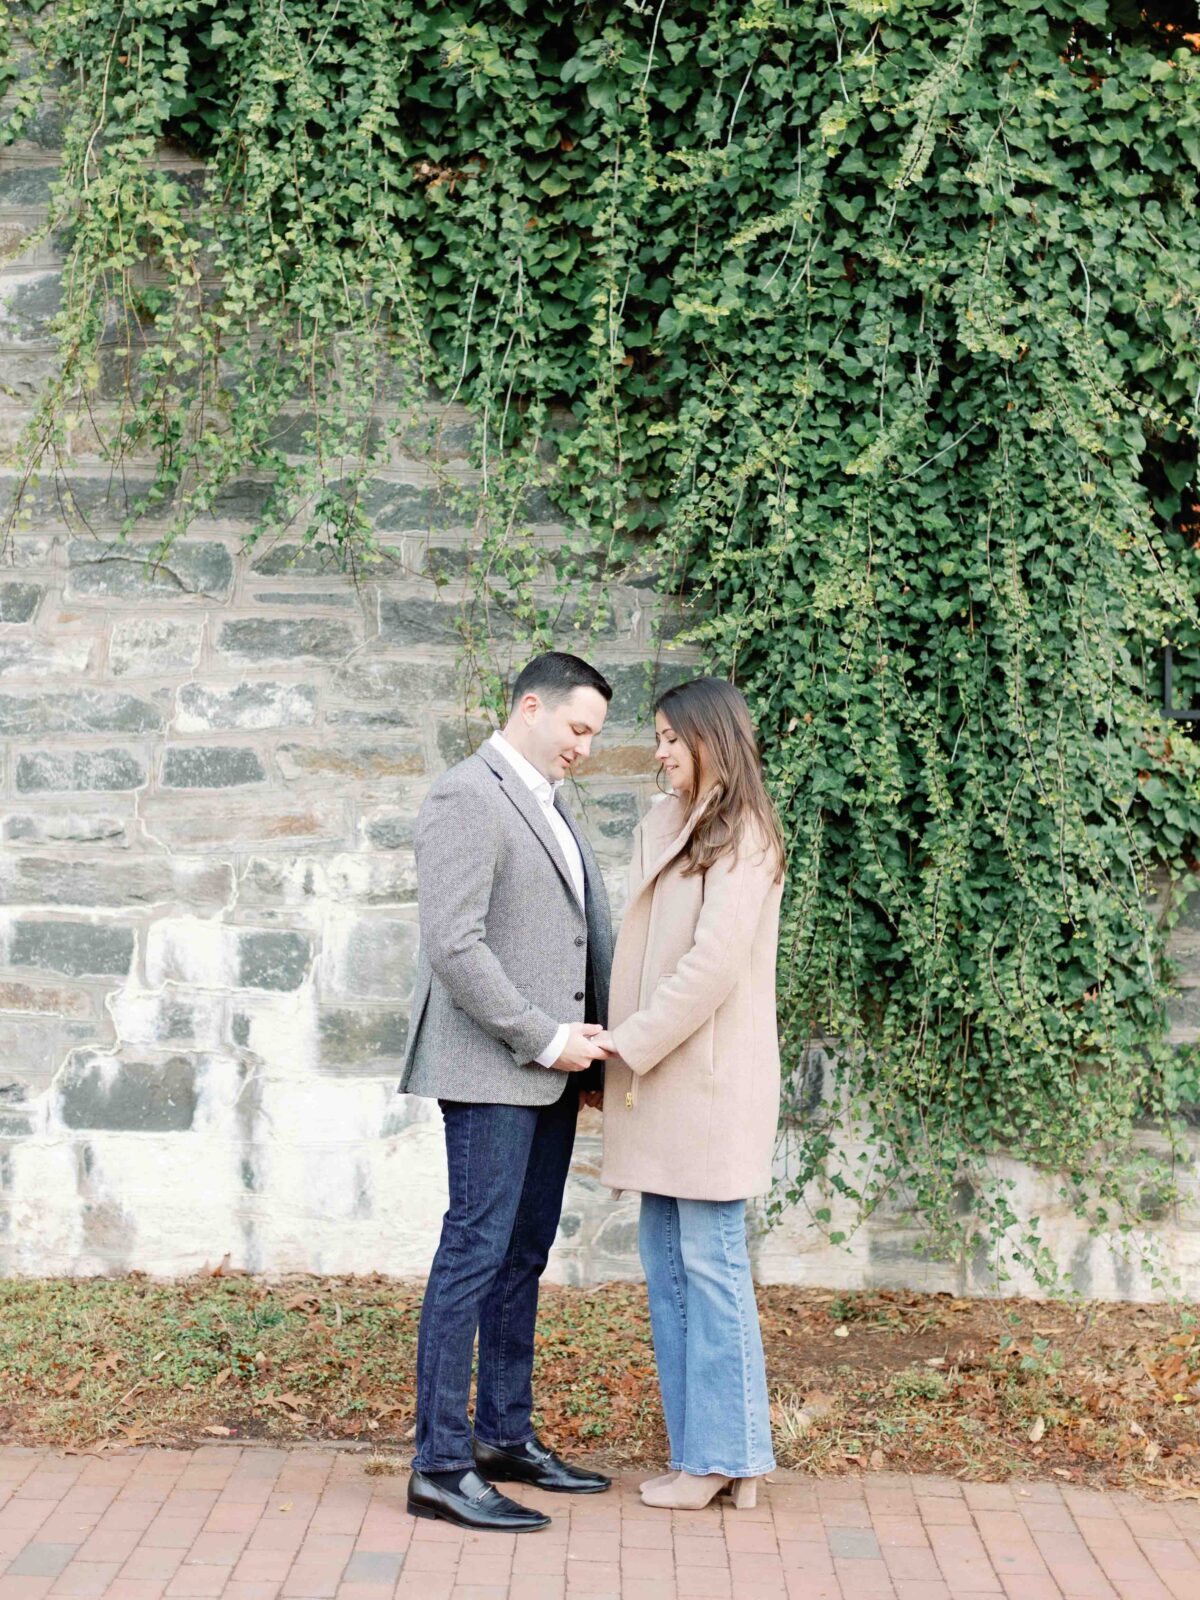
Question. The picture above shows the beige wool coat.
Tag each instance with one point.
(692, 1103)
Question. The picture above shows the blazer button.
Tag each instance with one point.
(580, 940)
(579, 994)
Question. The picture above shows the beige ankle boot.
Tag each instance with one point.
(688, 1493)
(664, 1477)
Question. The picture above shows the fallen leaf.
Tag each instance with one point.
(1038, 1429)
(841, 1333)
(876, 1461)
(218, 1430)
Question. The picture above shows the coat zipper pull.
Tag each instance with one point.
(629, 1098)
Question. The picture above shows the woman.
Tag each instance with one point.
(691, 1094)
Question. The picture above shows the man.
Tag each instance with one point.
(512, 983)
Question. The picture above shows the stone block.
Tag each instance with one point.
(81, 500)
(385, 717)
(42, 131)
(356, 763)
(200, 707)
(64, 827)
(76, 949)
(154, 645)
(610, 818)
(108, 1092)
(353, 879)
(190, 950)
(444, 563)
(83, 711)
(192, 569)
(620, 761)
(22, 187)
(29, 550)
(1183, 1013)
(353, 1043)
(201, 953)
(244, 500)
(237, 821)
(387, 828)
(49, 881)
(271, 959)
(305, 597)
(288, 557)
(286, 639)
(414, 621)
(44, 999)
(413, 685)
(19, 601)
(78, 770)
(154, 1020)
(66, 657)
(809, 1084)
(210, 767)
(459, 737)
(402, 507)
(636, 686)
(31, 1051)
(368, 958)
(29, 302)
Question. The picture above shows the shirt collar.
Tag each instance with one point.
(526, 771)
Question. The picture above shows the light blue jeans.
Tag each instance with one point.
(707, 1341)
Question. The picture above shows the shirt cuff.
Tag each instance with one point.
(556, 1046)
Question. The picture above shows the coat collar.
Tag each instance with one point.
(527, 803)
(666, 837)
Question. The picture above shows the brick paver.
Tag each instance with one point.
(231, 1523)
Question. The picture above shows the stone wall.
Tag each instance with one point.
(207, 922)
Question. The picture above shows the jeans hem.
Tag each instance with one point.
(445, 1466)
(725, 1472)
(505, 1444)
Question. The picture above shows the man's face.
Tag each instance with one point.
(559, 734)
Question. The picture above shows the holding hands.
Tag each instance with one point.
(583, 1046)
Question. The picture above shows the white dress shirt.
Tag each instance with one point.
(543, 792)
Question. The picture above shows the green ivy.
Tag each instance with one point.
(868, 328)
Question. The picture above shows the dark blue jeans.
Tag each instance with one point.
(508, 1168)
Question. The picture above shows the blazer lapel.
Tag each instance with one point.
(527, 805)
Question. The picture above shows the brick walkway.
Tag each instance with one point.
(250, 1524)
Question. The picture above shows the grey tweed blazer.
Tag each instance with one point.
(505, 947)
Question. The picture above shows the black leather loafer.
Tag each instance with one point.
(474, 1504)
(534, 1463)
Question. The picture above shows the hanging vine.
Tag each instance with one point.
(869, 329)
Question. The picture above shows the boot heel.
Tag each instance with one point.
(744, 1492)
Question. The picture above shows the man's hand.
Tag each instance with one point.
(581, 1048)
(604, 1040)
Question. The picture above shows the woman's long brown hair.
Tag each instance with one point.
(713, 720)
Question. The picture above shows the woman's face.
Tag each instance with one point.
(674, 757)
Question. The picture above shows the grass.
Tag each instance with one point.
(1100, 1394)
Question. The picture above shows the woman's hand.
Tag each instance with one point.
(604, 1041)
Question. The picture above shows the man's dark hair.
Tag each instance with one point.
(555, 675)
